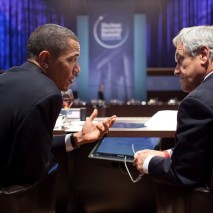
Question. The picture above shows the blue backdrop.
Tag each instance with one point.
(111, 49)
(163, 21)
(119, 65)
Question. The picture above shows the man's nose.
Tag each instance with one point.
(77, 68)
(177, 70)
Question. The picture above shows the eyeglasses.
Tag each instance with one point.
(139, 176)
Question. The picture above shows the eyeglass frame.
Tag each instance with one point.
(139, 176)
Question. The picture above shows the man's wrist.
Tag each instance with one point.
(146, 164)
(73, 142)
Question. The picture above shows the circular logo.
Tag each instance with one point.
(110, 31)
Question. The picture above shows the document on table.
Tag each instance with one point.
(164, 119)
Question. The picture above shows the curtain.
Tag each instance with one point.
(164, 24)
(20, 17)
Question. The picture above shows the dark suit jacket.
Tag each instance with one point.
(30, 103)
(191, 161)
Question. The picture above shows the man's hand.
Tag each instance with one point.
(92, 131)
(140, 157)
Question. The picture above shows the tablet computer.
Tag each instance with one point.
(116, 148)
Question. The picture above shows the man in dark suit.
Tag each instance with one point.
(30, 97)
(189, 164)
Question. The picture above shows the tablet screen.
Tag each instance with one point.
(127, 125)
(116, 148)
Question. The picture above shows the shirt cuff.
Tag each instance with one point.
(68, 144)
(146, 163)
(170, 151)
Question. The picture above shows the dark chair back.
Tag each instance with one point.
(36, 198)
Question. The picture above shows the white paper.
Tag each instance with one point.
(164, 119)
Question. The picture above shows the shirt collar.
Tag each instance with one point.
(208, 75)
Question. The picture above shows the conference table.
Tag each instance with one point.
(161, 131)
(78, 166)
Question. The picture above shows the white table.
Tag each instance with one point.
(160, 131)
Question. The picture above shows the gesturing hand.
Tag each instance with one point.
(93, 131)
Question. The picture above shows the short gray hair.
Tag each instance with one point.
(195, 37)
(50, 37)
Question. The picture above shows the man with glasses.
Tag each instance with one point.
(188, 166)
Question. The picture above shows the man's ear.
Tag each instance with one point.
(43, 60)
(204, 54)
